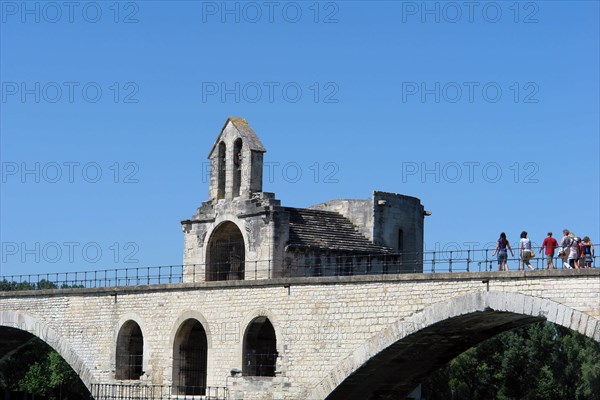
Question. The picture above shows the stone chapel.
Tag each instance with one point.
(244, 233)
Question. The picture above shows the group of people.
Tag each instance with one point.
(573, 251)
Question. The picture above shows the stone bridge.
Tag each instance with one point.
(345, 337)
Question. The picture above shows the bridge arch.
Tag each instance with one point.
(129, 351)
(258, 315)
(28, 323)
(453, 326)
(124, 328)
(190, 340)
(260, 348)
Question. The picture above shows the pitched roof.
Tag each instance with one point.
(246, 133)
(328, 230)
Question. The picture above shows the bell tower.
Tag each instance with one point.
(236, 162)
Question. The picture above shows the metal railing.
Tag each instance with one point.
(94, 279)
(260, 364)
(291, 265)
(110, 391)
(129, 366)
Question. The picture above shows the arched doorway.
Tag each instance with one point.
(226, 254)
(260, 348)
(129, 352)
(190, 351)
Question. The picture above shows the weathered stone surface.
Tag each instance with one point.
(327, 328)
(338, 337)
(283, 241)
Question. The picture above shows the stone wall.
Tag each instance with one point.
(259, 223)
(359, 212)
(326, 327)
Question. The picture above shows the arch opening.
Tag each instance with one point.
(129, 352)
(237, 166)
(190, 356)
(260, 348)
(26, 357)
(226, 254)
(221, 171)
(398, 369)
(394, 361)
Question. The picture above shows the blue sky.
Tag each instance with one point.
(490, 115)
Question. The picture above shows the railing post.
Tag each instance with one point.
(450, 263)
(469, 260)
(486, 259)
(433, 262)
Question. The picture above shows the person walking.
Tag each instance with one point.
(581, 257)
(565, 249)
(588, 252)
(573, 252)
(502, 245)
(550, 244)
(525, 252)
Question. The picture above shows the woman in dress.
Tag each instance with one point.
(502, 246)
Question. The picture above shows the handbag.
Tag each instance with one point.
(565, 249)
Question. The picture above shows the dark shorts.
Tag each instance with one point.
(502, 258)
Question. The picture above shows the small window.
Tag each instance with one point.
(260, 348)
(237, 167)
(130, 351)
(221, 168)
